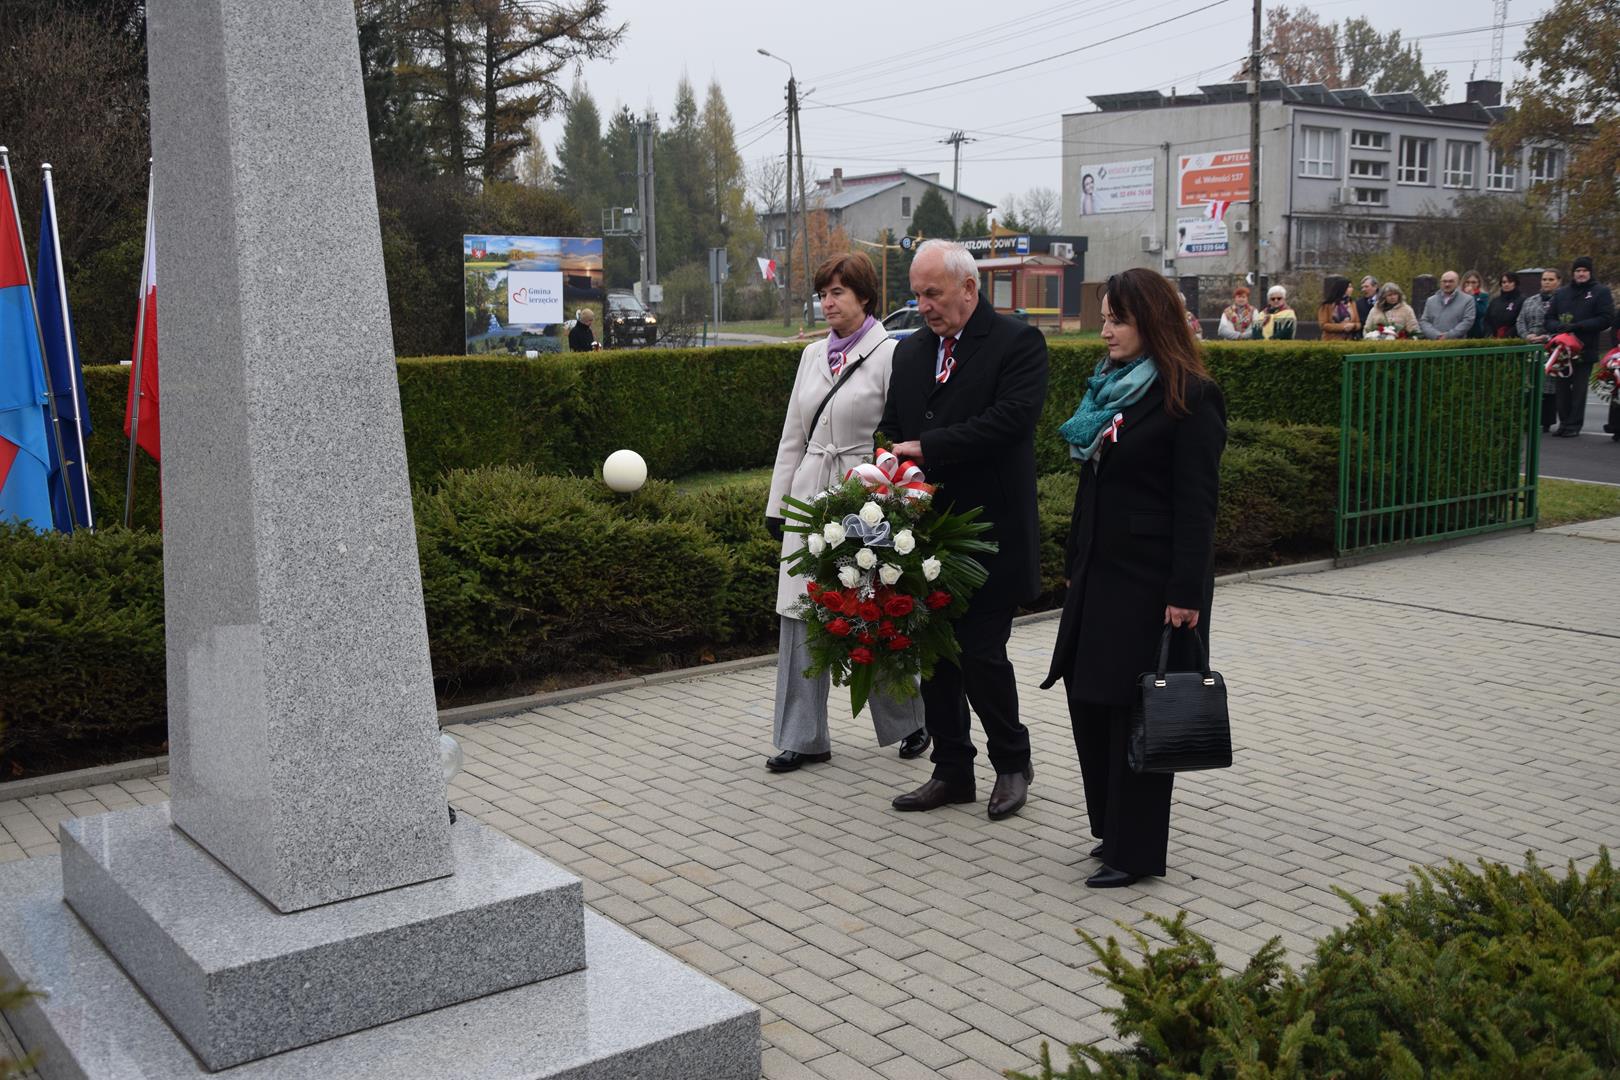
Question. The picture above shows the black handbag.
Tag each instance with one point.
(1179, 722)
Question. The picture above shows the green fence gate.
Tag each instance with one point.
(1436, 445)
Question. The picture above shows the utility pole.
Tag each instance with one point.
(956, 139)
(1254, 150)
(804, 214)
(787, 211)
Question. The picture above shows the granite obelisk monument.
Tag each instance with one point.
(304, 906)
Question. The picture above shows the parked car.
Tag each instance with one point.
(902, 322)
(814, 306)
(625, 322)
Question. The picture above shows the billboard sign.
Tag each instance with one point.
(1116, 187)
(1201, 236)
(1222, 176)
(518, 289)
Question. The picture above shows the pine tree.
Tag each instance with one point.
(683, 227)
(735, 226)
(932, 218)
(580, 171)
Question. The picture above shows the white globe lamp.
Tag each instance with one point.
(624, 471)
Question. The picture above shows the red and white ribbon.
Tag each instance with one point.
(1112, 431)
(887, 472)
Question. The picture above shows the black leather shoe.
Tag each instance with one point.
(935, 794)
(1568, 433)
(1109, 878)
(1007, 797)
(788, 760)
(1096, 852)
(915, 745)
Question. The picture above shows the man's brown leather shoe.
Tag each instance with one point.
(935, 794)
(1007, 797)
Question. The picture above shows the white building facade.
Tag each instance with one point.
(1340, 170)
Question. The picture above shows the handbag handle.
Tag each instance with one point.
(1164, 655)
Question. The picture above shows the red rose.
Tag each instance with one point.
(811, 587)
(899, 605)
(860, 655)
(866, 639)
(899, 641)
(870, 611)
(885, 629)
(839, 627)
(937, 599)
(831, 600)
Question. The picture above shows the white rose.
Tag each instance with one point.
(866, 558)
(871, 513)
(904, 542)
(889, 574)
(833, 533)
(930, 569)
(815, 543)
(849, 577)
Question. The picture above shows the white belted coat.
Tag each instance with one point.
(841, 440)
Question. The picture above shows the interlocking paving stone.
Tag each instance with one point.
(1386, 714)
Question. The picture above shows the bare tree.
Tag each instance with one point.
(1039, 210)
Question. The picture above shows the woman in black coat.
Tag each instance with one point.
(1148, 435)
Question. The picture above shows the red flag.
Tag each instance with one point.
(144, 354)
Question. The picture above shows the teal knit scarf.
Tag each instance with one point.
(1108, 391)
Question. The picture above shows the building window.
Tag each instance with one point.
(1314, 241)
(1371, 196)
(1364, 231)
(905, 206)
(1416, 155)
(1462, 159)
(1369, 140)
(1369, 170)
(781, 238)
(1546, 165)
(1318, 152)
(1502, 172)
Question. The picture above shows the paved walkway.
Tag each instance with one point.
(1456, 703)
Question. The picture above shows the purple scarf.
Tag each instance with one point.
(838, 347)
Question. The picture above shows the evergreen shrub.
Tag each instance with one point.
(1466, 975)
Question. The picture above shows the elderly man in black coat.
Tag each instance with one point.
(963, 401)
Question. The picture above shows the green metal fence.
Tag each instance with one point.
(1436, 445)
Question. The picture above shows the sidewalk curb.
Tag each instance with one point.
(494, 710)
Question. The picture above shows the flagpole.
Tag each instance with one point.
(67, 345)
(140, 354)
(39, 335)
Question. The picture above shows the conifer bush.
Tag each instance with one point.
(1467, 974)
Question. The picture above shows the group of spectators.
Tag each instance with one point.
(1461, 309)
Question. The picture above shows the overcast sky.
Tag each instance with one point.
(857, 60)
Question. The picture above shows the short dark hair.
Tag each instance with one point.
(856, 272)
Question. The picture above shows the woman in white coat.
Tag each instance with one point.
(837, 402)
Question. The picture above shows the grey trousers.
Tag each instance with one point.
(801, 703)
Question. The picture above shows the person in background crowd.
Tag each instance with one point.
(1502, 316)
(1474, 285)
(580, 338)
(1277, 322)
(1337, 313)
(1140, 554)
(1532, 326)
(1192, 317)
(1238, 318)
(1392, 310)
(1450, 312)
(837, 398)
(1585, 309)
(1367, 299)
(964, 401)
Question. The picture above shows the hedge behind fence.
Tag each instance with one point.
(692, 409)
(524, 574)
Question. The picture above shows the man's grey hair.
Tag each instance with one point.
(1369, 279)
(958, 260)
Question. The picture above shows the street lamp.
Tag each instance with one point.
(773, 56)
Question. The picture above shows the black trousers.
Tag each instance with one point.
(1129, 812)
(983, 677)
(1571, 394)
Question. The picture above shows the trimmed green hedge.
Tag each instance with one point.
(686, 410)
(1467, 974)
(524, 574)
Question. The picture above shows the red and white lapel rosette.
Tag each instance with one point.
(887, 473)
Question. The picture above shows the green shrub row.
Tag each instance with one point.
(524, 574)
(686, 410)
(1466, 974)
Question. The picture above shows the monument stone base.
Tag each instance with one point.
(239, 980)
(634, 1011)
